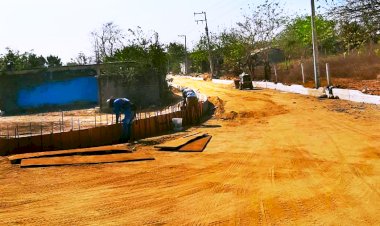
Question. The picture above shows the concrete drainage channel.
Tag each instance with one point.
(344, 94)
(150, 126)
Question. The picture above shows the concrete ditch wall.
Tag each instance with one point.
(344, 94)
(103, 135)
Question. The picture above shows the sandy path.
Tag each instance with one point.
(274, 158)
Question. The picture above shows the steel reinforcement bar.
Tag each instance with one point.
(99, 136)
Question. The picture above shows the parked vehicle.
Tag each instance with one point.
(244, 82)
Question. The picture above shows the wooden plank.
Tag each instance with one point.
(175, 144)
(88, 159)
(196, 145)
(106, 149)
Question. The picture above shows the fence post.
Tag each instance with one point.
(275, 73)
(328, 74)
(63, 126)
(80, 144)
(42, 144)
(303, 74)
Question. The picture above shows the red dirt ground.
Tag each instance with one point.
(274, 159)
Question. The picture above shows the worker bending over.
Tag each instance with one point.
(189, 98)
(123, 105)
(190, 101)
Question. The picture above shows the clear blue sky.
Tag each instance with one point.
(63, 27)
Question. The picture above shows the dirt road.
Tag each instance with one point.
(275, 158)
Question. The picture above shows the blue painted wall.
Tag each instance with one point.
(82, 89)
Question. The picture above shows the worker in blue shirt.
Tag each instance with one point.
(189, 97)
(190, 101)
(123, 105)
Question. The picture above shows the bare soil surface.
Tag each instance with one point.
(274, 158)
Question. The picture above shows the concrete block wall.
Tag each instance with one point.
(38, 92)
(144, 92)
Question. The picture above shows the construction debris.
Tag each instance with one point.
(15, 159)
(176, 144)
(89, 159)
(191, 143)
(197, 145)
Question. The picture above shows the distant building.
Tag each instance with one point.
(275, 55)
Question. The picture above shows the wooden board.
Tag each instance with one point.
(175, 144)
(106, 149)
(196, 146)
(87, 159)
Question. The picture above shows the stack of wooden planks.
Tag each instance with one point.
(193, 143)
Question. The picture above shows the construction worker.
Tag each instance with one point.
(123, 105)
(190, 102)
(189, 97)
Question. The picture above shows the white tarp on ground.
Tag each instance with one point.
(225, 82)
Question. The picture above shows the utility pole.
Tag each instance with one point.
(186, 66)
(208, 42)
(315, 46)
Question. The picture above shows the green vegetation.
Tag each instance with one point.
(266, 36)
(349, 27)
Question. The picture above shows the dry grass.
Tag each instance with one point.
(357, 67)
(360, 70)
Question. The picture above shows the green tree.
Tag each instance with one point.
(176, 56)
(53, 61)
(363, 13)
(14, 60)
(351, 35)
(199, 56)
(259, 29)
(129, 53)
(231, 50)
(36, 61)
(296, 38)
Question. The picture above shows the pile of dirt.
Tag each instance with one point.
(206, 77)
(221, 113)
(371, 87)
(352, 108)
(219, 106)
